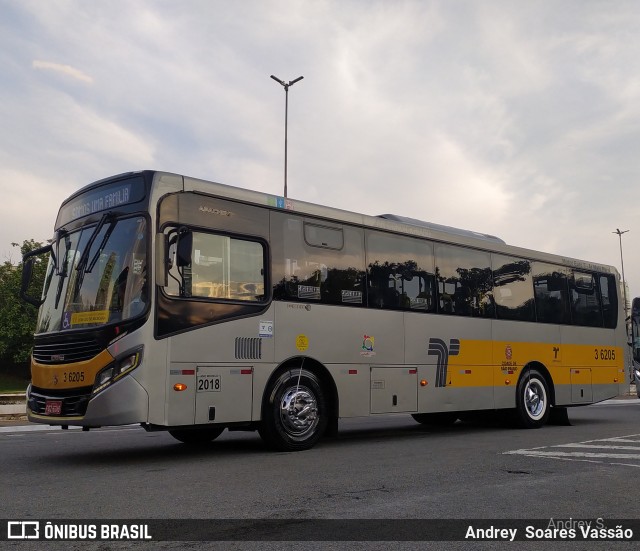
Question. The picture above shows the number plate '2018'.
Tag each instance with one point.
(209, 383)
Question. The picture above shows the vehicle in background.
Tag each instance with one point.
(635, 341)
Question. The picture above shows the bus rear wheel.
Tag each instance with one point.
(196, 437)
(294, 415)
(532, 400)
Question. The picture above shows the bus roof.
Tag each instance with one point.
(442, 228)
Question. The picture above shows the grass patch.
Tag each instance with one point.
(11, 383)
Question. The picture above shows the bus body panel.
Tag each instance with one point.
(455, 357)
(220, 364)
(338, 335)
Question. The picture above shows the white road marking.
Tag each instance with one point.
(599, 446)
(611, 456)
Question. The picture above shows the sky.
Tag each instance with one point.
(517, 119)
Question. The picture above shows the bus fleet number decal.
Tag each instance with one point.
(73, 377)
(605, 354)
(209, 383)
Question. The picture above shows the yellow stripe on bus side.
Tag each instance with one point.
(65, 376)
(487, 363)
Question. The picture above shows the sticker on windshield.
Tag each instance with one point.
(83, 318)
(138, 264)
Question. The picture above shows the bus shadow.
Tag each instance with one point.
(140, 448)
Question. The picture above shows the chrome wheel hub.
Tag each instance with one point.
(535, 399)
(299, 411)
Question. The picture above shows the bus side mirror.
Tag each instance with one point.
(27, 274)
(183, 248)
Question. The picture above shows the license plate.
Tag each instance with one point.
(209, 383)
(53, 407)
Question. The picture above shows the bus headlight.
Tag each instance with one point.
(116, 370)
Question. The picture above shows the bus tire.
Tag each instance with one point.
(295, 414)
(196, 437)
(532, 400)
(440, 419)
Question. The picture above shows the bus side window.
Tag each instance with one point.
(585, 303)
(513, 288)
(399, 272)
(609, 301)
(222, 267)
(465, 277)
(317, 262)
(551, 293)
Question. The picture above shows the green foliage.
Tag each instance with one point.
(18, 318)
(10, 383)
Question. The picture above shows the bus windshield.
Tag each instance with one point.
(97, 276)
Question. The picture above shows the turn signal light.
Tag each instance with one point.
(179, 387)
(423, 383)
(507, 382)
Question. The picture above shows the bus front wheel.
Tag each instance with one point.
(196, 437)
(294, 416)
(532, 400)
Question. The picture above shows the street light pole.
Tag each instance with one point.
(286, 86)
(624, 286)
(624, 294)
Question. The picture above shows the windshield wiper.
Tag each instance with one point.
(83, 264)
(63, 273)
(106, 237)
(55, 249)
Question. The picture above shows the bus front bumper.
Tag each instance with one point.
(123, 403)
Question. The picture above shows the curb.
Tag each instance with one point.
(11, 398)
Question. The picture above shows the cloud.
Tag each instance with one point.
(516, 120)
(63, 69)
(27, 201)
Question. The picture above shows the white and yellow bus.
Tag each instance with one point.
(191, 306)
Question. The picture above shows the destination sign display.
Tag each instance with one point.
(106, 197)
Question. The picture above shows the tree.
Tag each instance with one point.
(18, 318)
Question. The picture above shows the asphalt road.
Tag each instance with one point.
(377, 468)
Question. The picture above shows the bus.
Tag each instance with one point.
(190, 306)
(635, 343)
